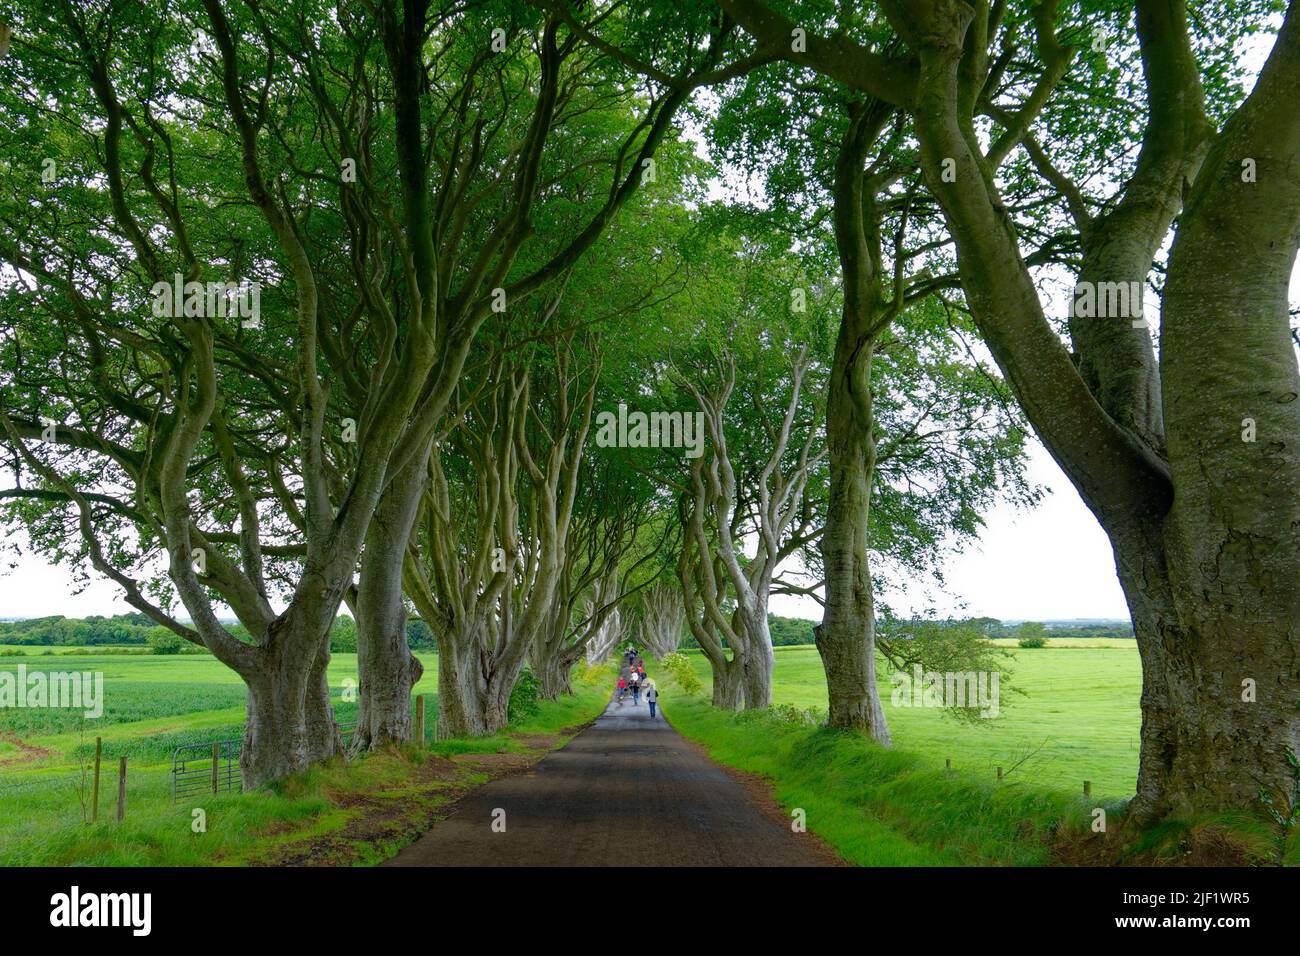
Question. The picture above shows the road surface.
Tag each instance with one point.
(627, 791)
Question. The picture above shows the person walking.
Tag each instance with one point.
(622, 690)
(652, 698)
(636, 688)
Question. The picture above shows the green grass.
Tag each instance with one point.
(1078, 720)
(883, 807)
(154, 704)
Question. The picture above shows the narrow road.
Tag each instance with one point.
(627, 791)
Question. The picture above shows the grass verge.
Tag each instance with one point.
(889, 807)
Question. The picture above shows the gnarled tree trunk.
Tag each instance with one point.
(386, 668)
(290, 721)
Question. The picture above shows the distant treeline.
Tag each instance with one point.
(137, 629)
(995, 628)
(60, 631)
(795, 630)
(128, 629)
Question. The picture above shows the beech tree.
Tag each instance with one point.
(750, 485)
(1164, 451)
(571, 159)
(165, 146)
(662, 620)
(914, 426)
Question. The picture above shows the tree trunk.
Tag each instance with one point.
(461, 692)
(323, 738)
(728, 684)
(386, 668)
(473, 695)
(387, 672)
(290, 722)
(551, 661)
(1232, 414)
(555, 674)
(846, 637)
(496, 702)
(757, 662)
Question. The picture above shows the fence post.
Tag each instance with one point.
(419, 719)
(94, 800)
(1087, 788)
(947, 763)
(999, 773)
(216, 763)
(121, 790)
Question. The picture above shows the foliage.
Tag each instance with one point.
(81, 632)
(164, 641)
(1031, 634)
(679, 668)
(525, 699)
(343, 635)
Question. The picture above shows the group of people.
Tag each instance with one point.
(632, 682)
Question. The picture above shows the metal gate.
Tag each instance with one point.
(211, 768)
(206, 768)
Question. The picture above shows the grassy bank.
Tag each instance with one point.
(903, 806)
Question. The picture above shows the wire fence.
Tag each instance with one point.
(206, 767)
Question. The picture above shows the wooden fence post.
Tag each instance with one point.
(1087, 788)
(419, 719)
(94, 799)
(947, 763)
(121, 790)
(999, 773)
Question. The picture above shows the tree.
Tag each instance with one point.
(1176, 492)
(919, 439)
(515, 144)
(1031, 634)
(164, 641)
(750, 484)
(663, 619)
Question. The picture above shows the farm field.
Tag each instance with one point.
(152, 704)
(1077, 720)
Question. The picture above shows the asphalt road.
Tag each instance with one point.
(627, 791)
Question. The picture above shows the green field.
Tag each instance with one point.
(1078, 718)
(153, 704)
